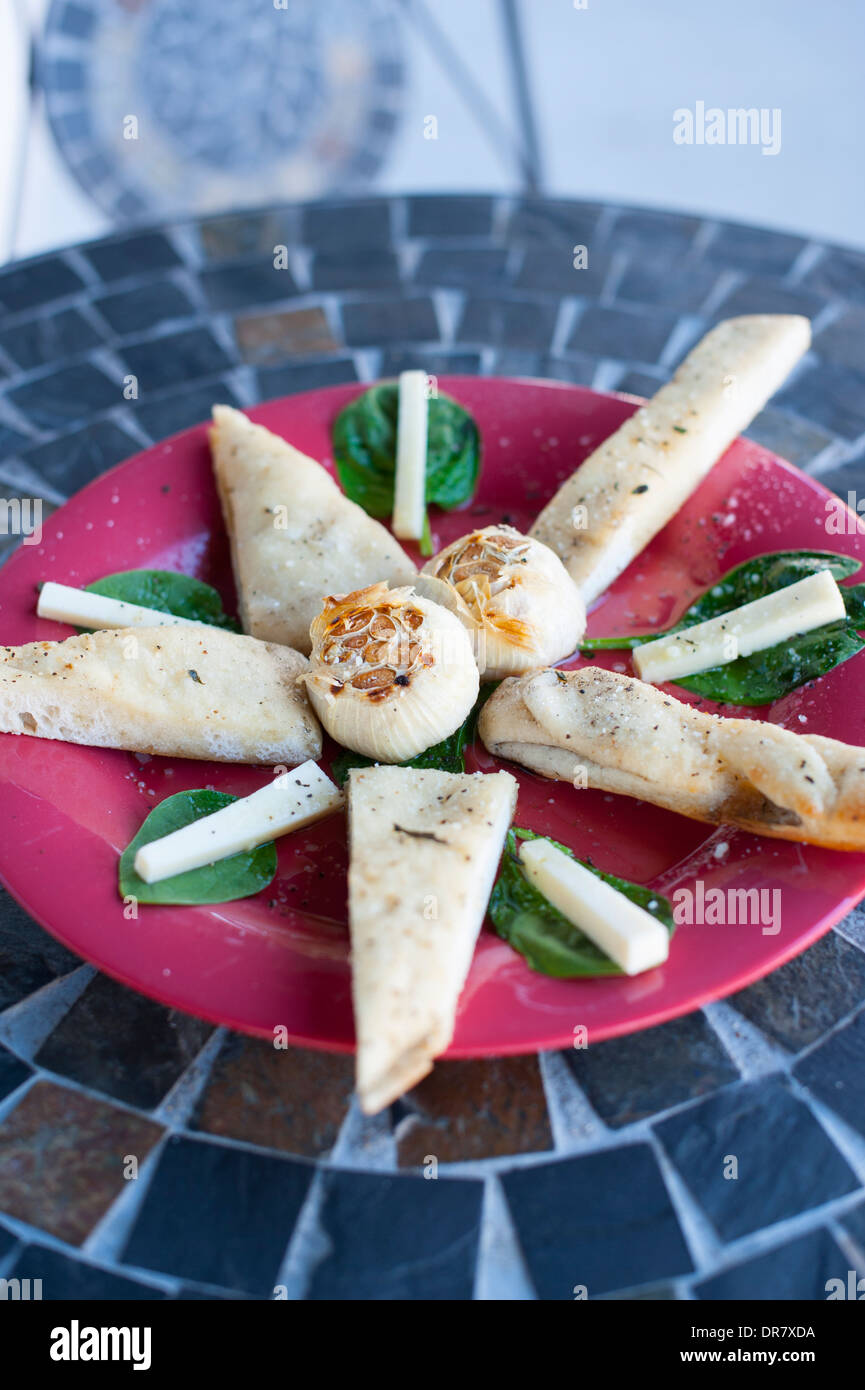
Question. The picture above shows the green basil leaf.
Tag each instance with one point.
(549, 941)
(364, 450)
(766, 675)
(240, 876)
(167, 592)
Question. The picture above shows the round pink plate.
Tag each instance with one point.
(281, 959)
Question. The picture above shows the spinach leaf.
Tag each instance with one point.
(167, 592)
(447, 756)
(364, 450)
(766, 675)
(550, 942)
(237, 877)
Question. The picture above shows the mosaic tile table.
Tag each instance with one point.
(595, 1168)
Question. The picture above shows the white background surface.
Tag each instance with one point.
(605, 82)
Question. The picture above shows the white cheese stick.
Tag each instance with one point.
(630, 936)
(631, 486)
(65, 604)
(289, 802)
(809, 603)
(409, 497)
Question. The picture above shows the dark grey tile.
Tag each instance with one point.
(163, 415)
(13, 1072)
(766, 296)
(801, 1269)
(240, 234)
(29, 957)
(575, 367)
(629, 1078)
(409, 320)
(565, 223)
(458, 363)
(160, 363)
(626, 333)
(758, 1125)
(330, 226)
(64, 396)
(69, 461)
(46, 340)
(463, 267)
(667, 282)
(35, 283)
(844, 340)
(355, 269)
(436, 216)
(754, 249)
(136, 254)
(122, 1044)
(853, 1222)
(802, 1000)
(238, 1212)
(64, 1278)
(554, 271)
(518, 362)
(602, 1220)
(11, 440)
(640, 384)
(847, 477)
(831, 396)
(791, 438)
(653, 233)
(251, 282)
(835, 1072)
(513, 323)
(304, 376)
(144, 306)
(398, 1238)
(839, 273)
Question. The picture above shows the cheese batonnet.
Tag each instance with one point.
(631, 486)
(516, 599)
(184, 691)
(621, 735)
(294, 536)
(424, 848)
(390, 673)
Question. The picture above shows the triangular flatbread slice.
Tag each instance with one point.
(424, 849)
(295, 537)
(187, 692)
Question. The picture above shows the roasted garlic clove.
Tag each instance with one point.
(390, 673)
(516, 599)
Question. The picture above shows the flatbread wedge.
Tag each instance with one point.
(294, 536)
(186, 692)
(630, 487)
(599, 729)
(424, 848)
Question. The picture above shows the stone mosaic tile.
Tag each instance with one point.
(461, 362)
(791, 438)
(627, 1079)
(265, 338)
(64, 1278)
(169, 412)
(13, 1072)
(853, 1222)
(237, 235)
(66, 395)
(101, 1040)
(369, 268)
(35, 283)
(758, 1125)
(621, 332)
(335, 226)
(240, 286)
(843, 340)
(463, 267)
(449, 216)
(50, 338)
(122, 257)
(829, 395)
(799, 1003)
(835, 1072)
(840, 273)
(397, 1238)
(390, 320)
(553, 222)
(800, 1269)
(473, 1109)
(160, 363)
(277, 1098)
(239, 1209)
(759, 296)
(603, 1220)
(667, 283)
(754, 249)
(70, 461)
(517, 323)
(144, 306)
(554, 272)
(646, 231)
(304, 376)
(62, 1157)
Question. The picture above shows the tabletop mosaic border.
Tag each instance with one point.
(282, 1183)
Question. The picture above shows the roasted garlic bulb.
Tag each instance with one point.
(390, 673)
(516, 599)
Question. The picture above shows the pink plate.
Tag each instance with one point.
(281, 958)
